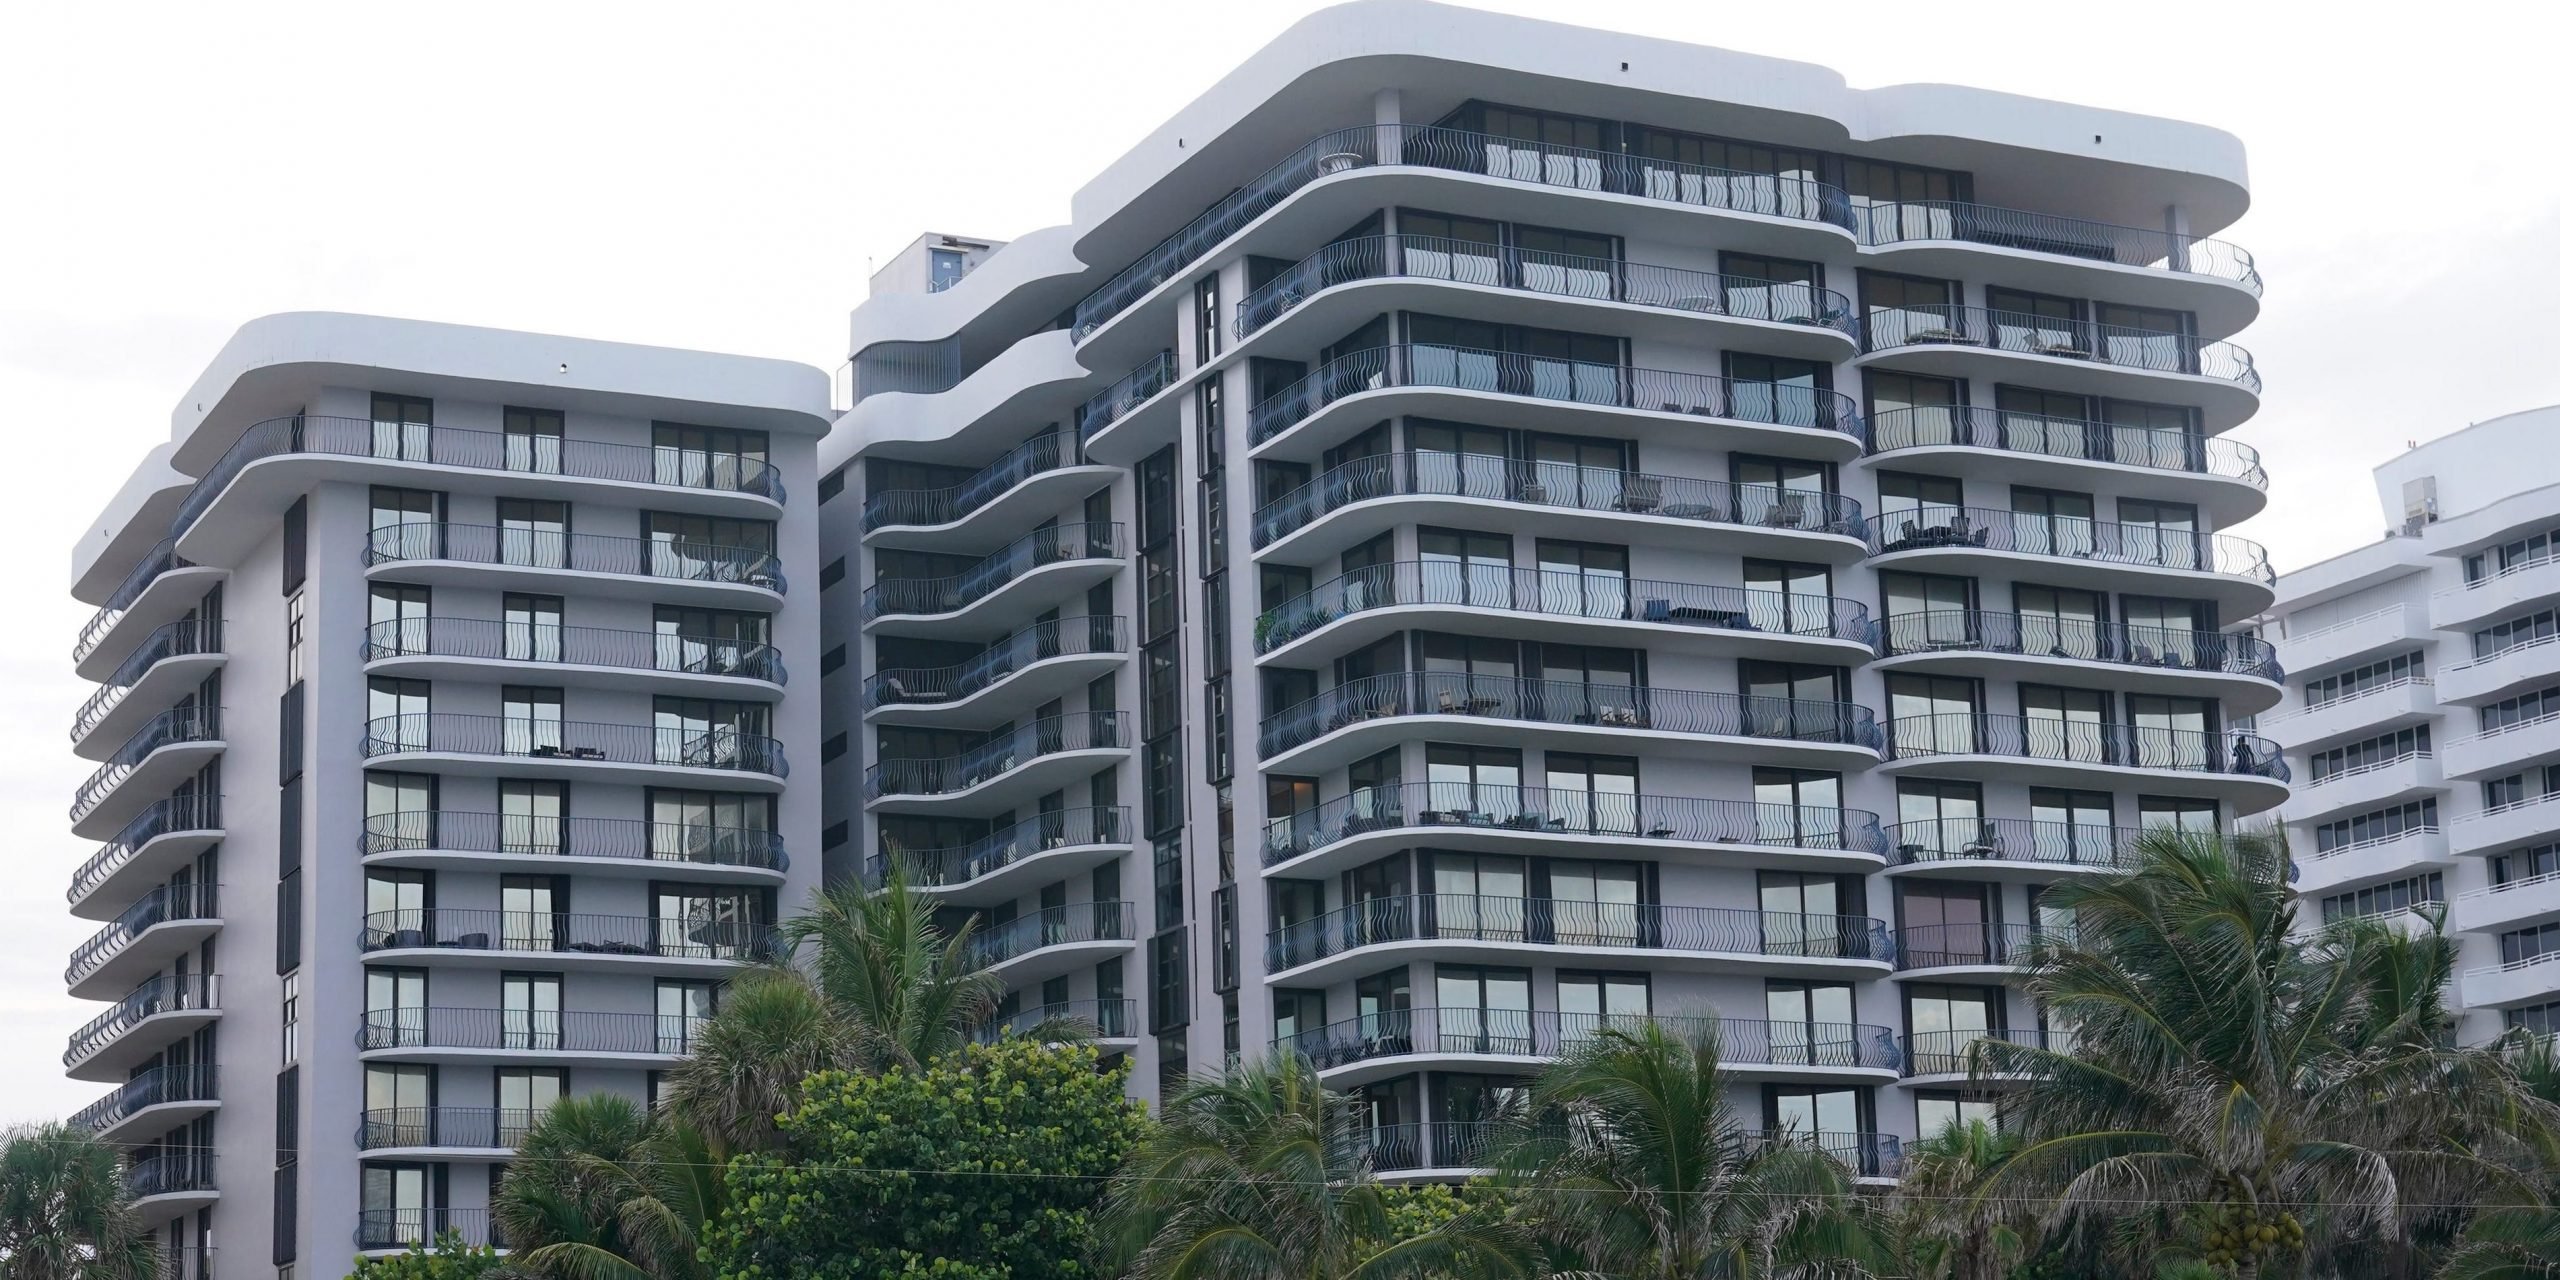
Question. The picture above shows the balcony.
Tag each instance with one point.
(1380, 933)
(492, 557)
(484, 937)
(517, 843)
(160, 588)
(1949, 1057)
(1357, 1050)
(158, 841)
(1996, 447)
(2500, 750)
(2072, 356)
(2008, 848)
(1509, 389)
(1014, 858)
(2069, 551)
(2390, 857)
(2484, 679)
(1046, 568)
(516, 746)
(2509, 590)
(161, 754)
(2244, 768)
(443, 1133)
(1032, 666)
(1440, 1150)
(598, 657)
(1112, 1025)
(1356, 828)
(2366, 787)
(2347, 642)
(171, 1182)
(545, 1036)
(161, 924)
(2534, 980)
(1354, 719)
(152, 1103)
(186, 1262)
(1011, 769)
(1357, 500)
(2367, 711)
(2238, 669)
(161, 1010)
(383, 1231)
(987, 510)
(2513, 905)
(1476, 280)
(1053, 940)
(1990, 950)
(2055, 254)
(168, 665)
(1562, 606)
(1123, 419)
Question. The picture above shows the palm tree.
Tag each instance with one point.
(64, 1210)
(602, 1189)
(773, 1030)
(904, 990)
(2275, 1102)
(1633, 1166)
(1946, 1231)
(1262, 1174)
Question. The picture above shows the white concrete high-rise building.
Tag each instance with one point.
(443, 737)
(2422, 711)
(1482, 529)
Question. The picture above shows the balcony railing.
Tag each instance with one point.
(1134, 388)
(494, 640)
(1561, 593)
(1556, 485)
(170, 1171)
(1931, 946)
(2062, 844)
(155, 996)
(543, 836)
(529, 1030)
(167, 729)
(1038, 455)
(176, 640)
(1039, 642)
(565, 933)
(2080, 639)
(179, 813)
(1556, 811)
(1441, 1144)
(1569, 275)
(1582, 382)
(960, 864)
(1052, 927)
(2068, 537)
(2025, 333)
(528, 738)
(1108, 1019)
(2322, 776)
(1569, 702)
(1864, 1155)
(172, 1082)
(914, 776)
(169, 902)
(2056, 739)
(400, 1228)
(1056, 544)
(1546, 1033)
(675, 559)
(1639, 926)
(1884, 223)
(158, 560)
(2072, 439)
(1932, 1053)
(475, 1127)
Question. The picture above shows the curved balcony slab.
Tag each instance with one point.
(1005, 682)
(170, 1183)
(1038, 379)
(142, 772)
(998, 506)
(2240, 670)
(489, 557)
(2514, 590)
(1991, 952)
(641, 755)
(470, 937)
(1948, 1059)
(2531, 664)
(2072, 552)
(383, 1233)
(1139, 413)
(494, 652)
(2072, 257)
(2007, 849)
(152, 1103)
(1111, 1026)
(459, 1134)
(2353, 641)
(2501, 907)
(2530, 821)
(141, 941)
(1014, 859)
(2219, 380)
(2365, 788)
(2224, 478)
(1383, 933)
(515, 844)
(1054, 940)
(164, 837)
(1018, 286)
(1047, 568)
(168, 666)
(1519, 1041)
(2500, 750)
(2394, 857)
(2246, 771)
(1015, 768)
(164, 597)
(155, 1014)
(2362, 714)
(2535, 981)
(568, 1037)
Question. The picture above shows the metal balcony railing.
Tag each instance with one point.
(1134, 388)
(1981, 942)
(1637, 926)
(1582, 382)
(494, 640)
(1039, 642)
(1038, 455)
(167, 1083)
(1471, 262)
(1546, 1033)
(1052, 927)
(2067, 844)
(170, 1171)
(1884, 223)
(670, 558)
(565, 933)
(1109, 1019)
(1932, 1053)
(1561, 593)
(1007, 751)
(2079, 639)
(2067, 537)
(1864, 1155)
(960, 864)
(927, 367)
(529, 1030)
(155, 996)
(1567, 702)
(2054, 738)
(167, 729)
(169, 902)
(1057, 544)
(1985, 427)
(183, 638)
(380, 1229)
(2025, 333)
(158, 560)
(1439, 1144)
(716, 747)
(1554, 811)
(543, 836)
(178, 813)
(476, 1127)
(1554, 485)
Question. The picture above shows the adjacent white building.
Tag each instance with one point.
(2422, 712)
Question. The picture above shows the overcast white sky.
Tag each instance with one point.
(720, 175)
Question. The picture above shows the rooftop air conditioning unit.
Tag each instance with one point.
(2417, 504)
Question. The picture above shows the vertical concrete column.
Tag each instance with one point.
(1390, 122)
(2176, 221)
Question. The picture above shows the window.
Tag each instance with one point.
(523, 1095)
(529, 1005)
(2540, 1019)
(395, 1004)
(712, 733)
(297, 544)
(1946, 924)
(683, 1008)
(1483, 1010)
(403, 428)
(712, 641)
(2529, 946)
(533, 440)
(1812, 1022)
(2066, 826)
(2173, 733)
(293, 620)
(1480, 897)
(1913, 506)
(531, 720)
(1587, 1002)
(290, 1011)
(530, 627)
(711, 458)
(2535, 628)
(1796, 807)
(708, 923)
(2510, 556)
(1944, 1022)
(1940, 1109)
(2183, 813)
(1788, 597)
(2523, 708)
(2365, 679)
(2384, 899)
(1589, 793)
(406, 523)
(399, 1104)
(1775, 389)
(2524, 864)
(1831, 1118)
(2376, 827)
(1758, 287)
(2047, 522)
(1802, 914)
(533, 533)
(397, 620)
(1208, 331)
(831, 574)
(395, 1203)
(1932, 715)
(2372, 752)
(831, 484)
